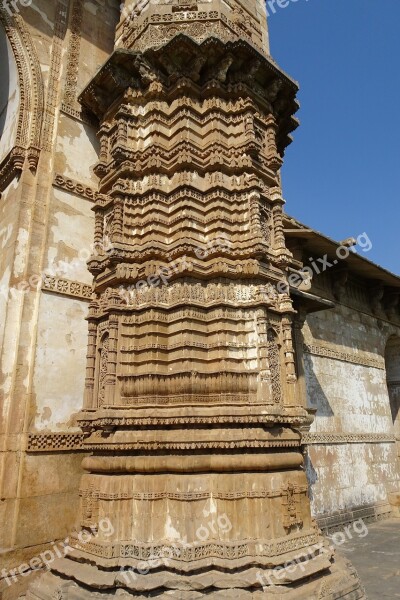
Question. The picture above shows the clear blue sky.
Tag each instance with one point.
(342, 172)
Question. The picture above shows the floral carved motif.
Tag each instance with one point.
(67, 287)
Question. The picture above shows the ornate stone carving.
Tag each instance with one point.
(191, 411)
(331, 352)
(67, 287)
(54, 442)
(31, 92)
(71, 79)
(60, 29)
(103, 369)
(291, 503)
(70, 185)
(347, 438)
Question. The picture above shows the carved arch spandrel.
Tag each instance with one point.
(27, 141)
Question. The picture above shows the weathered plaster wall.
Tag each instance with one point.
(61, 350)
(352, 458)
(62, 330)
(76, 150)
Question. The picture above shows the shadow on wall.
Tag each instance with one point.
(4, 78)
(316, 399)
(108, 9)
(312, 476)
(360, 333)
(316, 396)
(392, 363)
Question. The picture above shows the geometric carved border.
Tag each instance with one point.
(194, 552)
(351, 357)
(54, 442)
(348, 438)
(66, 287)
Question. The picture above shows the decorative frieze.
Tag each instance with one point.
(347, 438)
(75, 187)
(60, 29)
(66, 287)
(352, 357)
(189, 496)
(196, 552)
(55, 442)
(74, 46)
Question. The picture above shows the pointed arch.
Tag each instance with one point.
(27, 142)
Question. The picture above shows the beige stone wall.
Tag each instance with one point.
(352, 452)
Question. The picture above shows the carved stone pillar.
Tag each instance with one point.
(196, 458)
(90, 366)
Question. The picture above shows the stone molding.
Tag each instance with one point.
(352, 357)
(347, 438)
(74, 49)
(55, 442)
(145, 420)
(188, 496)
(75, 187)
(199, 551)
(211, 446)
(66, 287)
(60, 29)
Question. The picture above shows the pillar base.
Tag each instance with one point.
(338, 580)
